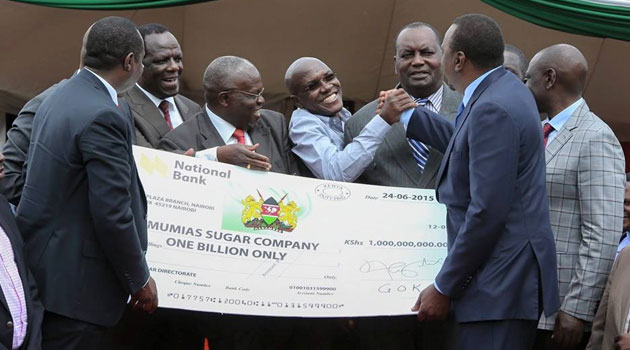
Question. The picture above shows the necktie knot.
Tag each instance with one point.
(547, 129)
(164, 107)
(422, 101)
(239, 135)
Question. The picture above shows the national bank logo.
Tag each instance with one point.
(155, 165)
(269, 214)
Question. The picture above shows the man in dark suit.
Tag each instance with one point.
(233, 128)
(156, 104)
(83, 210)
(417, 64)
(500, 271)
(21, 311)
(19, 138)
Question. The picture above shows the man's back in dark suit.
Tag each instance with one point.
(501, 257)
(82, 212)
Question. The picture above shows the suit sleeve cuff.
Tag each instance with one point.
(437, 288)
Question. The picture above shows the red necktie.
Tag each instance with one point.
(240, 136)
(547, 129)
(167, 115)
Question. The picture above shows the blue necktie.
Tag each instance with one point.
(460, 109)
(419, 150)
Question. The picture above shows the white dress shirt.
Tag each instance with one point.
(176, 118)
(226, 131)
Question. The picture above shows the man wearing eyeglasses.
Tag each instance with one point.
(233, 128)
(156, 104)
(317, 125)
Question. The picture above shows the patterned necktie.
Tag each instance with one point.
(460, 109)
(167, 115)
(547, 129)
(419, 150)
(240, 136)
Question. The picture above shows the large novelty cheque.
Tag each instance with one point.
(226, 239)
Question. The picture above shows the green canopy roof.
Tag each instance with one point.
(599, 18)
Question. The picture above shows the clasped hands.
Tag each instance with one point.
(432, 305)
(392, 103)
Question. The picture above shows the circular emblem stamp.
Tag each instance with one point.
(332, 192)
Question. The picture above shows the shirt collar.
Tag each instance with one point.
(156, 101)
(112, 92)
(436, 98)
(558, 121)
(225, 129)
(470, 89)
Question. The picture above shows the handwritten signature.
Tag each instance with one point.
(397, 269)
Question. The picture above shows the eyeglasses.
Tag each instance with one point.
(249, 95)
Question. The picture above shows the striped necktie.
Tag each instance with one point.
(419, 150)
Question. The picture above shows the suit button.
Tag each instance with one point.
(9, 324)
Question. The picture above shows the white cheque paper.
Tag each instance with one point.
(231, 240)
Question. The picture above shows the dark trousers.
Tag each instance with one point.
(405, 333)
(165, 329)
(544, 342)
(63, 333)
(497, 335)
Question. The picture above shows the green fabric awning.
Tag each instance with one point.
(599, 18)
(110, 4)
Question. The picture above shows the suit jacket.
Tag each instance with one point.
(149, 121)
(270, 131)
(586, 183)
(393, 163)
(34, 308)
(83, 209)
(16, 147)
(612, 315)
(492, 181)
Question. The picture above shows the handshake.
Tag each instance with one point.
(392, 103)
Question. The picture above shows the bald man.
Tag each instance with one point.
(317, 125)
(585, 184)
(233, 128)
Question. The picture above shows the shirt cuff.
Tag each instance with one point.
(406, 116)
(437, 288)
(207, 154)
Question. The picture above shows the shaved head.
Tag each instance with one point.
(314, 86)
(557, 77)
(568, 62)
(298, 69)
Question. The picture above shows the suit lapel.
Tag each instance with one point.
(145, 108)
(183, 109)
(478, 91)
(565, 133)
(397, 141)
(260, 134)
(209, 133)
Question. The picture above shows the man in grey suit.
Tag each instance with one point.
(417, 63)
(233, 128)
(83, 211)
(155, 102)
(585, 184)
